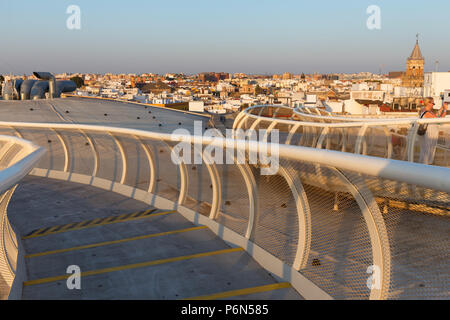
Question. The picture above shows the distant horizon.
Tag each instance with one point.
(257, 37)
(193, 74)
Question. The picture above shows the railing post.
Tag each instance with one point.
(152, 166)
(389, 142)
(66, 151)
(379, 239)
(322, 137)
(360, 139)
(291, 133)
(94, 152)
(124, 158)
(412, 134)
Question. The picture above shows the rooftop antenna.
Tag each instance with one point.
(437, 65)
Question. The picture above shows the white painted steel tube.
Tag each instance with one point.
(413, 173)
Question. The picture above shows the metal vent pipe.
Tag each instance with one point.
(25, 89)
(51, 83)
(38, 90)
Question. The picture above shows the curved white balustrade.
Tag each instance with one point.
(326, 222)
(17, 159)
(312, 127)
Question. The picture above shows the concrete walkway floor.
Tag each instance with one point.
(126, 250)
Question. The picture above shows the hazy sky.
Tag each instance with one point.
(252, 36)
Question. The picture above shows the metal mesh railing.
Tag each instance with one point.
(352, 226)
(17, 158)
(385, 138)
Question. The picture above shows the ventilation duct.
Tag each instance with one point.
(65, 86)
(25, 89)
(37, 89)
(51, 82)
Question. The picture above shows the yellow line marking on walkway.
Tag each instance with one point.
(106, 243)
(135, 214)
(38, 231)
(109, 219)
(52, 229)
(241, 292)
(94, 221)
(132, 266)
(73, 226)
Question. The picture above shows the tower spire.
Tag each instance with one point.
(416, 53)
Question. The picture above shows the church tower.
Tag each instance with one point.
(415, 64)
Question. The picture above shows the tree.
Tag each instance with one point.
(78, 81)
(258, 90)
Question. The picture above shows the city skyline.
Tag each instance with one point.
(250, 37)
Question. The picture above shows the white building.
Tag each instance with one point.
(367, 95)
(196, 106)
(405, 92)
(353, 107)
(436, 83)
(334, 106)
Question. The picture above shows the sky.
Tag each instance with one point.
(250, 36)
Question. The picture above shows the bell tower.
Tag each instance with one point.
(414, 76)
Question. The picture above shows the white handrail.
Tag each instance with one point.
(15, 172)
(414, 173)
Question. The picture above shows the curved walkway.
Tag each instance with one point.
(126, 250)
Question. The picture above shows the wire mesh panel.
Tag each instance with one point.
(418, 224)
(334, 139)
(295, 136)
(54, 158)
(442, 152)
(377, 142)
(340, 251)
(137, 163)
(110, 162)
(351, 137)
(200, 188)
(276, 228)
(81, 159)
(283, 131)
(235, 203)
(399, 138)
(262, 125)
(168, 180)
(9, 153)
